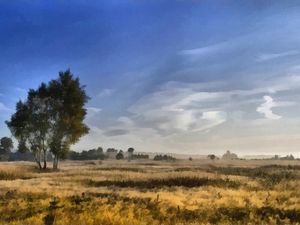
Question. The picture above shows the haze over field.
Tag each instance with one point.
(167, 76)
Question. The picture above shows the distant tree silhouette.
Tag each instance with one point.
(111, 150)
(111, 153)
(164, 157)
(92, 154)
(120, 155)
(130, 152)
(287, 157)
(6, 145)
(211, 156)
(229, 156)
(140, 156)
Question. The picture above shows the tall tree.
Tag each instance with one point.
(51, 119)
(68, 113)
(31, 124)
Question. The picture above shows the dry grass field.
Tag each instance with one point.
(149, 192)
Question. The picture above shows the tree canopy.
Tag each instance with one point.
(51, 119)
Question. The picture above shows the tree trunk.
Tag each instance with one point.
(45, 160)
(38, 162)
(45, 164)
(55, 162)
(54, 159)
(45, 155)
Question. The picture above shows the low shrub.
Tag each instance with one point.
(167, 182)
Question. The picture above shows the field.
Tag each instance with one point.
(150, 192)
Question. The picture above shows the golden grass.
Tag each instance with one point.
(73, 195)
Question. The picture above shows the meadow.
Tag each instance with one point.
(151, 192)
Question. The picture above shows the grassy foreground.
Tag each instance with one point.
(147, 192)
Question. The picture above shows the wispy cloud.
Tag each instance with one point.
(105, 92)
(266, 108)
(178, 108)
(172, 116)
(3, 107)
(270, 56)
(92, 111)
(181, 107)
(210, 49)
(116, 132)
(22, 90)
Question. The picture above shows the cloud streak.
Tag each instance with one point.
(4, 108)
(178, 109)
(92, 111)
(105, 93)
(271, 56)
(205, 50)
(266, 108)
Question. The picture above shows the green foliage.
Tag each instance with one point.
(51, 119)
(69, 113)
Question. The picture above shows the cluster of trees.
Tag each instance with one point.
(111, 153)
(229, 156)
(164, 157)
(140, 156)
(287, 157)
(50, 119)
(93, 154)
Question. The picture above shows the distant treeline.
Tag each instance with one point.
(92, 154)
(99, 154)
(110, 153)
(164, 157)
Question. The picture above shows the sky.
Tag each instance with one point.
(185, 76)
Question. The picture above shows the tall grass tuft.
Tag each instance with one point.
(13, 175)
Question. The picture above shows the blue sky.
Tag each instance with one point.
(164, 76)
